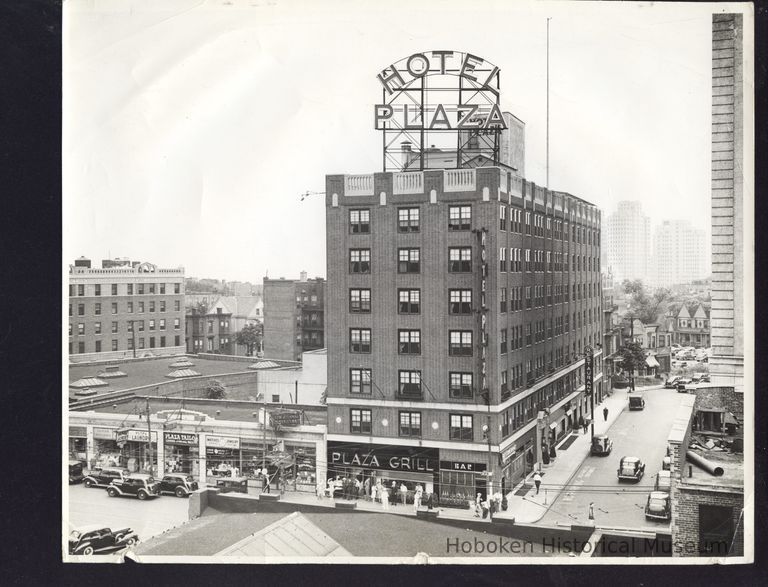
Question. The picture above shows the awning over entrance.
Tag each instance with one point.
(651, 362)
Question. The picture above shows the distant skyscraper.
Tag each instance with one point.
(727, 363)
(678, 254)
(628, 236)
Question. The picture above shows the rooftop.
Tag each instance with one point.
(731, 463)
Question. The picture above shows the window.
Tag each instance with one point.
(97, 290)
(360, 300)
(410, 424)
(141, 325)
(81, 309)
(360, 381)
(177, 288)
(114, 289)
(130, 307)
(503, 300)
(162, 324)
(408, 301)
(141, 307)
(114, 307)
(459, 259)
(459, 217)
(130, 289)
(162, 306)
(409, 342)
(359, 260)
(97, 327)
(460, 343)
(360, 421)
(503, 341)
(461, 427)
(504, 383)
(162, 290)
(527, 223)
(409, 385)
(81, 290)
(81, 347)
(502, 217)
(527, 259)
(359, 221)
(359, 340)
(70, 309)
(460, 385)
(176, 324)
(115, 328)
(140, 289)
(460, 301)
(177, 305)
(503, 259)
(162, 341)
(177, 340)
(408, 220)
(151, 288)
(114, 345)
(528, 334)
(408, 261)
(98, 346)
(151, 306)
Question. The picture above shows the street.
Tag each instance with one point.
(147, 518)
(641, 434)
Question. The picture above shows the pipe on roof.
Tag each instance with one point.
(703, 463)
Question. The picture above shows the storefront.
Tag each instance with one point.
(517, 460)
(134, 449)
(223, 456)
(393, 466)
(78, 443)
(301, 475)
(461, 481)
(106, 452)
(182, 453)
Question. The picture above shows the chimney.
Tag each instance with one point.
(303, 276)
(406, 157)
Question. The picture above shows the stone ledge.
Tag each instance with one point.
(427, 514)
(269, 497)
(346, 505)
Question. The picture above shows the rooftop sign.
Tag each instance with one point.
(438, 92)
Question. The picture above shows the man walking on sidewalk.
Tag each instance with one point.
(537, 481)
(605, 413)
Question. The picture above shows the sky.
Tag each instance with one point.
(191, 128)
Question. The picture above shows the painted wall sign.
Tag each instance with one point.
(439, 92)
(104, 433)
(230, 442)
(286, 418)
(78, 432)
(134, 436)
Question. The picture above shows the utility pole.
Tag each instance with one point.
(149, 439)
(632, 340)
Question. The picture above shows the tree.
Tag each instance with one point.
(215, 390)
(643, 306)
(250, 337)
(632, 359)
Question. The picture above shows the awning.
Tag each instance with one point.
(651, 362)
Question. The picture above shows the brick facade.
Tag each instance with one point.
(294, 317)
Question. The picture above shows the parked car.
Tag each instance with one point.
(666, 462)
(705, 378)
(620, 382)
(658, 507)
(663, 481)
(179, 484)
(601, 445)
(75, 472)
(103, 476)
(636, 400)
(631, 468)
(682, 385)
(88, 540)
(671, 382)
(138, 485)
(232, 485)
(696, 377)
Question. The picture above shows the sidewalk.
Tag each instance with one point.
(530, 508)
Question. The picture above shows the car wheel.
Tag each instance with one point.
(88, 550)
(112, 492)
(130, 542)
(141, 494)
(180, 492)
(88, 483)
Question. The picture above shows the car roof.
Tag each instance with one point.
(601, 436)
(659, 495)
(630, 459)
(139, 476)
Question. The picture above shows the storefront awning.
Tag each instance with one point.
(651, 362)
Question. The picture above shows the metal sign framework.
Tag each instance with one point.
(427, 97)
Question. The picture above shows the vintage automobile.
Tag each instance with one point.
(671, 382)
(620, 382)
(636, 400)
(75, 472)
(663, 481)
(179, 484)
(666, 462)
(682, 385)
(232, 485)
(631, 468)
(88, 540)
(601, 445)
(657, 507)
(102, 477)
(138, 485)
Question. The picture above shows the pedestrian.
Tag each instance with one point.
(384, 498)
(417, 497)
(377, 491)
(367, 487)
(430, 501)
(591, 510)
(320, 490)
(265, 481)
(403, 492)
(393, 493)
(605, 413)
(478, 505)
(537, 481)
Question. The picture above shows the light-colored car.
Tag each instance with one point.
(658, 507)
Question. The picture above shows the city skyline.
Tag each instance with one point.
(135, 186)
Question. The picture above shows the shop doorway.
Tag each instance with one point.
(480, 487)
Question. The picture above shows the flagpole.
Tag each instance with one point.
(548, 19)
